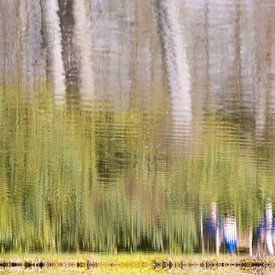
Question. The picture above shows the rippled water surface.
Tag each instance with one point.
(137, 126)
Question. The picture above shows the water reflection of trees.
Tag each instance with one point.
(231, 70)
(78, 180)
(106, 181)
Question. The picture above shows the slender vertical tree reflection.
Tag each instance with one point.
(83, 41)
(262, 68)
(55, 50)
(177, 69)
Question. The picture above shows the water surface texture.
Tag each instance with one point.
(137, 126)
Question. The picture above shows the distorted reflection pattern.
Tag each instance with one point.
(137, 126)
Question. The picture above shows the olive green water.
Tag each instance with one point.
(105, 181)
(137, 126)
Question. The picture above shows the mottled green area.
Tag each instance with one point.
(110, 180)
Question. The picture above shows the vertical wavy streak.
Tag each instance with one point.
(175, 58)
(55, 50)
(83, 43)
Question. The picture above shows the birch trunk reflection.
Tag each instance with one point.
(262, 68)
(177, 67)
(55, 50)
(33, 57)
(81, 11)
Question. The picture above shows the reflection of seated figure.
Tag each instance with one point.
(211, 224)
(230, 234)
(215, 231)
(266, 233)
